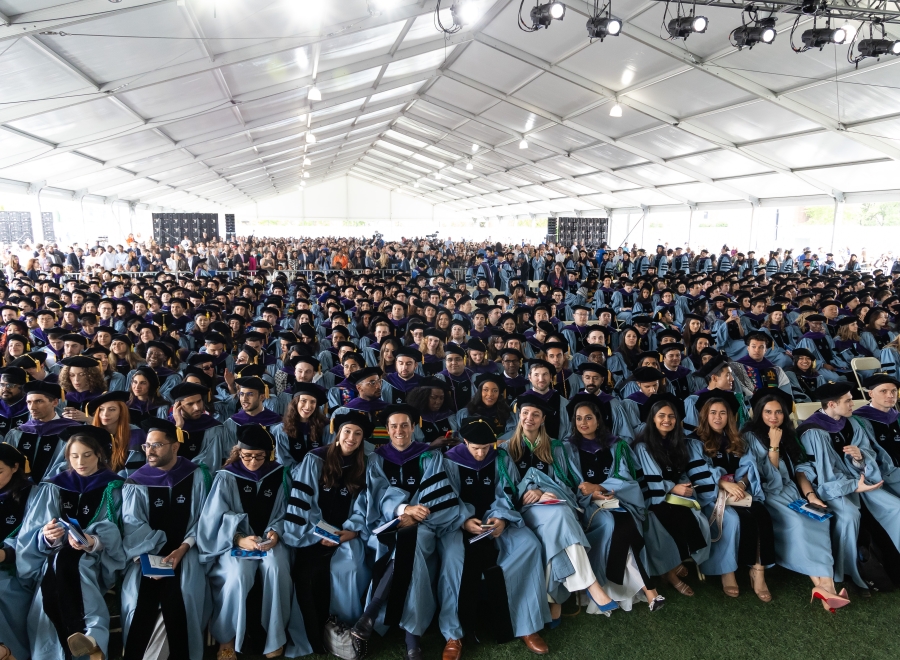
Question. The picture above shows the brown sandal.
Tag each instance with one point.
(764, 595)
(681, 571)
(683, 588)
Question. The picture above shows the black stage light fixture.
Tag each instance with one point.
(684, 26)
(821, 37)
(600, 27)
(543, 15)
(878, 47)
(762, 32)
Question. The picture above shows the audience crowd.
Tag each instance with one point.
(288, 446)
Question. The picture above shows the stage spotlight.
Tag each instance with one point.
(683, 26)
(821, 37)
(600, 27)
(763, 32)
(543, 15)
(878, 47)
(464, 13)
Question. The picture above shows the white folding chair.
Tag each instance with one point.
(804, 410)
(864, 364)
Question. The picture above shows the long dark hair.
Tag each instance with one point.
(670, 451)
(604, 437)
(629, 355)
(790, 443)
(419, 397)
(333, 469)
(18, 480)
(477, 407)
(291, 421)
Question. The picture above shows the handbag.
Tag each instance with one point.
(338, 641)
(718, 513)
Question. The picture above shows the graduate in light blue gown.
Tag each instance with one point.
(408, 482)
(845, 474)
(508, 562)
(68, 616)
(610, 472)
(111, 413)
(207, 440)
(304, 426)
(546, 474)
(674, 473)
(161, 509)
(741, 535)
(245, 512)
(16, 495)
(38, 438)
(330, 579)
(802, 544)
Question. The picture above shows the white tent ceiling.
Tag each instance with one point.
(188, 103)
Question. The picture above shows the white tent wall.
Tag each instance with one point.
(80, 221)
(349, 206)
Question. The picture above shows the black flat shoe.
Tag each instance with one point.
(415, 654)
(363, 628)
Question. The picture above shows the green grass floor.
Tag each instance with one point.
(708, 625)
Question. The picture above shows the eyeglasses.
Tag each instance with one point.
(254, 458)
(8, 386)
(154, 445)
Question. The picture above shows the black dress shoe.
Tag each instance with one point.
(363, 628)
(415, 654)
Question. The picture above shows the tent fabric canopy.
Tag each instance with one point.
(206, 104)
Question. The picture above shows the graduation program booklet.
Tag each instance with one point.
(74, 529)
(328, 532)
(247, 554)
(387, 527)
(483, 534)
(802, 507)
(155, 566)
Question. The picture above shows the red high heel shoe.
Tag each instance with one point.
(830, 601)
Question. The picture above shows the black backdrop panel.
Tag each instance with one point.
(590, 232)
(15, 227)
(171, 228)
(47, 227)
(229, 226)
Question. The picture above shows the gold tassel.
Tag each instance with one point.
(180, 434)
(266, 391)
(331, 426)
(27, 466)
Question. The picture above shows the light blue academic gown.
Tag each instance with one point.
(600, 523)
(519, 555)
(557, 526)
(287, 449)
(723, 554)
(662, 552)
(835, 478)
(166, 383)
(231, 578)
(140, 538)
(350, 573)
(17, 591)
(802, 544)
(98, 569)
(383, 499)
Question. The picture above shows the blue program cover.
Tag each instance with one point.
(800, 507)
(153, 566)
